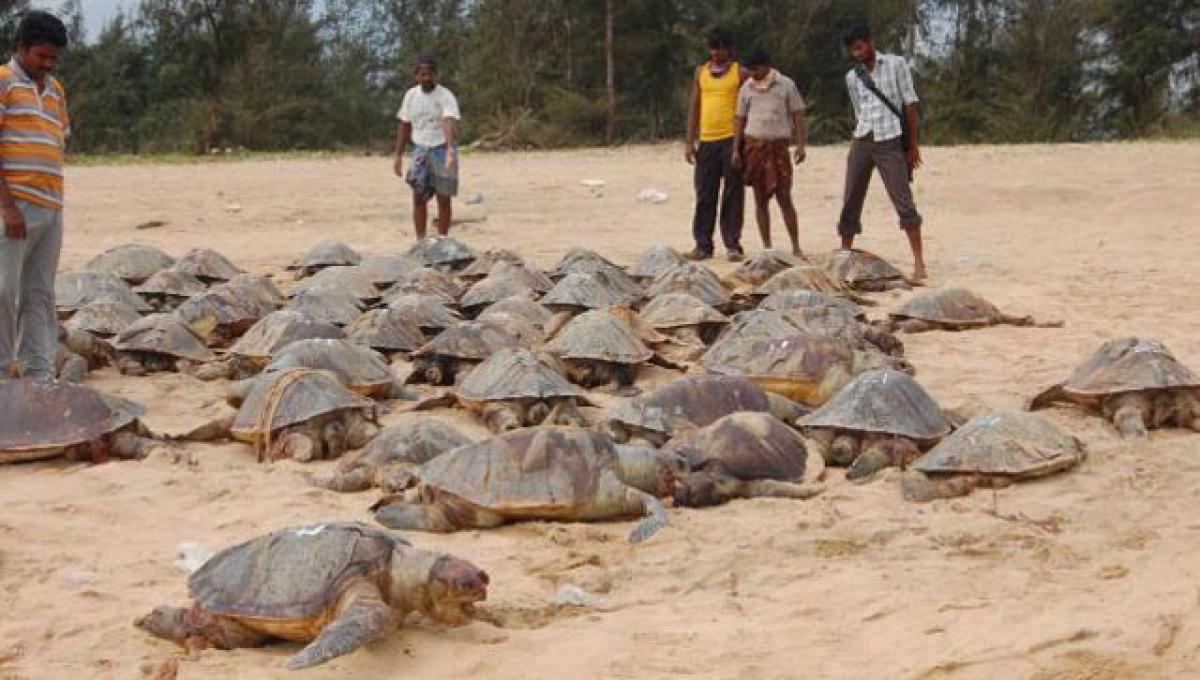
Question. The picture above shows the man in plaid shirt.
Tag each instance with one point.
(880, 140)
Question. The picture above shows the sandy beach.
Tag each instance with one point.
(1092, 574)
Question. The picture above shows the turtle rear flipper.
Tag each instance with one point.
(921, 488)
(364, 618)
(1046, 397)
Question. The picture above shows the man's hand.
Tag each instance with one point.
(451, 159)
(399, 166)
(914, 158)
(689, 154)
(801, 154)
(14, 222)
(736, 160)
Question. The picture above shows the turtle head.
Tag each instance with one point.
(652, 471)
(168, 623)
(454, 586)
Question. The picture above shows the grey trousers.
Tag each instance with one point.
(866, 154)
(28, 320)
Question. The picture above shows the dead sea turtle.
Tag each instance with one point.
(359, 368)
(353, 281)
(390, 460)
(207, 265)
(227, 310)
(132, 262)
(159, 342)
(506, 280)
(521, 306)
(169, 288)
(656, 262)
(801, 366)
(760, 267)
(298, 413)
(254, 350)
(684, 318)
(326, 305)
(486, 261)
(515, 388)
(791, 300)
(73, 290)
(865, 271)
(539, 474)
(429, 312)
(1134, 382)
(324, 254)
(385, 270)
(806, 277)
(335, 586)
(386, 331)
(460, 348)
(991, 452)
(103, 319)
(442, 252)
(692, 403)
(743, 455)
(583, 261)
(954, 309)
(693, 279)
(599, 347)
(43, 420)
(883, 418)
(577, 293)
(426, 281)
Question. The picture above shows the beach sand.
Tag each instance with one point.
(1094, 573)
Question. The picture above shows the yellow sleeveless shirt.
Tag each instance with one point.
(718, 102)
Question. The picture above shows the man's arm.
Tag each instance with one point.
(693, 121)
(403, 134)
(14, 219)
(739, 133)
(448, 128)
(912, 114)
(801, 135)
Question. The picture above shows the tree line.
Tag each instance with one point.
(198, 75)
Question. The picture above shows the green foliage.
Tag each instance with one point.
(194, 76)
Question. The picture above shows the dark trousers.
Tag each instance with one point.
(713, 166)
(865, 156)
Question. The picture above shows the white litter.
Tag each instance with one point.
(594, 183)
(656, 196)
(571, 595)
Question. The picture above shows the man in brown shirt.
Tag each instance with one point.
(770, 111)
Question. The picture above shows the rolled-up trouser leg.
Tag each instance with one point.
(38, 350)
(893, 168)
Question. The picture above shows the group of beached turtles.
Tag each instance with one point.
(713, 389)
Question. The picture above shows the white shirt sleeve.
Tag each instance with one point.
(450, 105)
(905, 82)
(851, 80)
(404, 115)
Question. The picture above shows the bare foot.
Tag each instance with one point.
(799, 255)
(919, 275)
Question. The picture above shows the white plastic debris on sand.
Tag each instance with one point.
(656, 196)
(191, 556)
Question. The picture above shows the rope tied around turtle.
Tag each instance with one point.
(273, 398)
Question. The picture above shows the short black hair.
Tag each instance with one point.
(856, 33)
(41, 28)
(426, 59)
(757, 57)
(719, 37)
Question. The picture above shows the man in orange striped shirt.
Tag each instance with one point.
(33, 134)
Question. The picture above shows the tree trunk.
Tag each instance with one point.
(610, 85)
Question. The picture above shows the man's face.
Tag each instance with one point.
(39, 60)
(760, 71)
(719, 54)
(426, 76)
(862, 50)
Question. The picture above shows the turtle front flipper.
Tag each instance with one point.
(774, 488)
(921, 488)
(635, 502)
(396, 513)
(363, 617)
(1046, 397)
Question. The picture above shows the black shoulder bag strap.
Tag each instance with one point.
(869, 83)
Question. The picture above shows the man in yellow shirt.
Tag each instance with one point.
(710, 121)
(33, 134)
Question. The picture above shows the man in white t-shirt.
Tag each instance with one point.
(428, 117)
